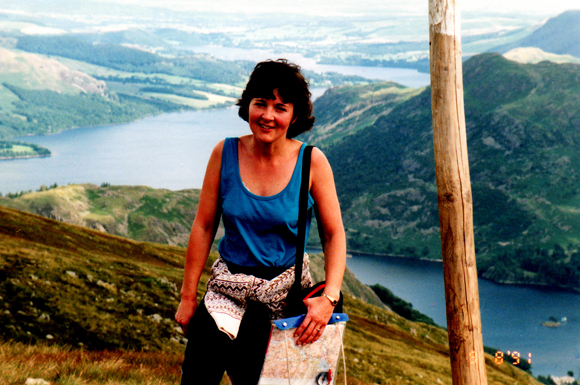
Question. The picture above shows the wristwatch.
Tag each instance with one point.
(333, 301)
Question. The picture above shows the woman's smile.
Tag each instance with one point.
(267, 127)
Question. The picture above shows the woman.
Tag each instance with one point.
(253, 182)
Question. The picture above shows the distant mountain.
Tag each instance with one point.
(558, 35)
(49, 83)
(531, 55)
(39, 72)
(523, 128)
(79, 289)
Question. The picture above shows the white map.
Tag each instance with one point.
(315, 363)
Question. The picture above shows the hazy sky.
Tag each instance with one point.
(322, 7)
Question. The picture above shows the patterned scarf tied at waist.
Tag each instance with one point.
(227, 294)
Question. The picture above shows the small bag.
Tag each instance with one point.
(315, 363)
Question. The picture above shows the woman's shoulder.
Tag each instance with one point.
(216, 154)
(320, 169)
(318, 158)
(219, 147)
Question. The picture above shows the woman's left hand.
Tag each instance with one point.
(319, 312)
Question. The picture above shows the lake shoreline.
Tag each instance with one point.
(511, 315)
(23, 157)
(113, 124)
(538, 286)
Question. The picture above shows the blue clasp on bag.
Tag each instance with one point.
(294, 322)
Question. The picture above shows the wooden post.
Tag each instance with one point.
(454, 196)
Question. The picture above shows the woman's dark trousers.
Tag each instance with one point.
(210, 352)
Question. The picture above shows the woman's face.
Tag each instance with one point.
(269, 119)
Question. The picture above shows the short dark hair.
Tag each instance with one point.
(292, 87)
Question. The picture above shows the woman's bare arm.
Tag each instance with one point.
(333, 239)
(201, 238)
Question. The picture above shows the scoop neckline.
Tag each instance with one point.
(261, 197)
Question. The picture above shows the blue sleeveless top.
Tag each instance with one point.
(259, 231)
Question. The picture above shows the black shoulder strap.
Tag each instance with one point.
(302, 210)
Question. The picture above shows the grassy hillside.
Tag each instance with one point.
(69, 292)
(136, 212)
(139, 213)
(39, 72)
(62, 284)
(522, 127)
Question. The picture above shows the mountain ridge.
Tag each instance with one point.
(532, 55)
(136, 212)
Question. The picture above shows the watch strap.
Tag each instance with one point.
(333, 301)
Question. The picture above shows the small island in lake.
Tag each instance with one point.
(551, 324)
(554, 322)
(20, 150)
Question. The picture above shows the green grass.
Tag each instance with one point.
(23, 149)
(136, 212)
(66, 283)
(10, 150)
(8, 98)
(61, 365)
(212, 101)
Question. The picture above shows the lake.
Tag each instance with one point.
(511, 316)
(405, 76)
(171, 150)
(166, 151)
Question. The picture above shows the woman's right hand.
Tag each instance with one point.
(185, 312)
